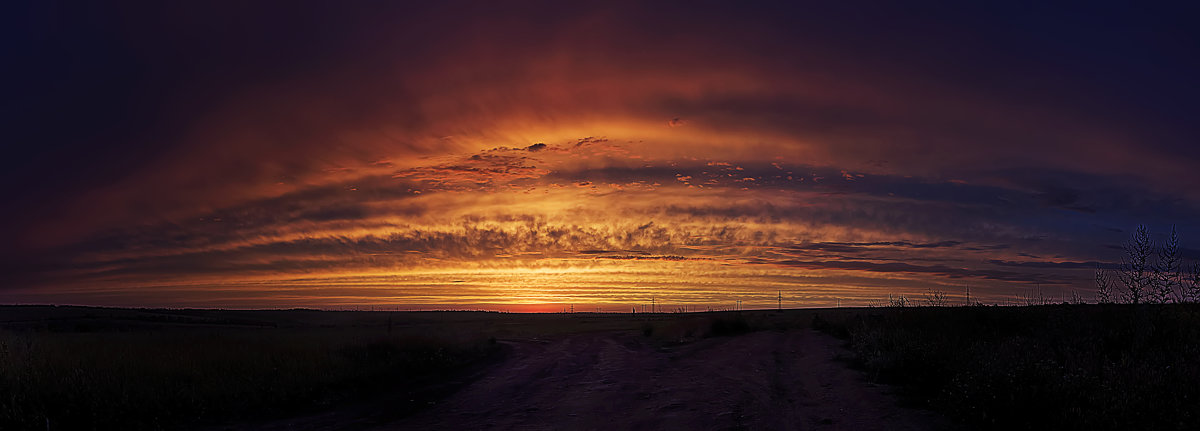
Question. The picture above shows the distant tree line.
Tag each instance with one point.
(1149, 273)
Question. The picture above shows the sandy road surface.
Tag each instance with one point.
(762, 380)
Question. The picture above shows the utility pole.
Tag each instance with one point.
(652, 309)
(779, 301)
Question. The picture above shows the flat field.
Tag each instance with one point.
(1068, 367)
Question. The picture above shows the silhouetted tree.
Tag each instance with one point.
(1167, 271)
(898, 301)
(1136, 267)
(936, 298)
(1104, 284)
(1190, 284)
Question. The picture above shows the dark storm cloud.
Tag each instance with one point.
(854, 247)
(939, 270)
(424, 247)
(1018, 189)
(1063, 265)
(348, 202)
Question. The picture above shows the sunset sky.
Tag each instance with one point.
(536, 155)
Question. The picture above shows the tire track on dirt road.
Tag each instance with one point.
(620, 380)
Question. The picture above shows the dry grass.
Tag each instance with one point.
(97, 368)
(1043, 367)
(180, 376)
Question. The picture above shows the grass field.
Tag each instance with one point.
(103, 368)
(83, 368)
(1041, 367)
(1061, 366)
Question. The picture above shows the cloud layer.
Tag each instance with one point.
(606, 153)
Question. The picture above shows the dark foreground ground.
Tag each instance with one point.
(763, 380)
(620, 380)
(1060, 367)
(91, 368)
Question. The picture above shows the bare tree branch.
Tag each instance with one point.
(1135, 272)
(1104, 285)
(1168, 271)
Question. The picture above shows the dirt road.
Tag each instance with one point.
(761, 380)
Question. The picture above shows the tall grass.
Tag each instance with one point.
(1046, 367)
(190, 377)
